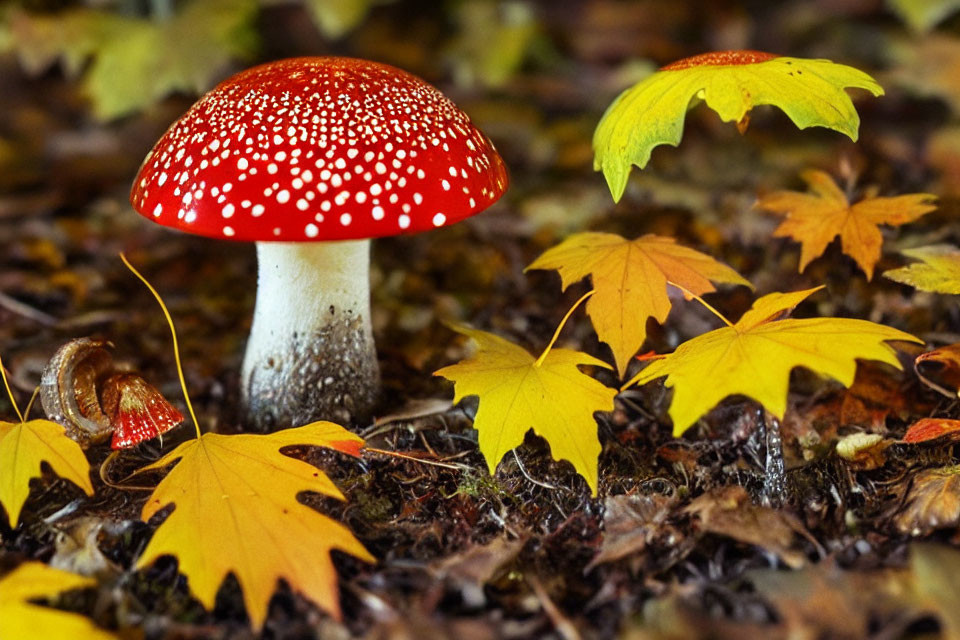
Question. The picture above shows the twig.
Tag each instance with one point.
(23, 309)
(560, 622)
(527, 475)
(406, 456)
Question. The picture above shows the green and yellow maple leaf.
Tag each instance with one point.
(630, 281)
(923, 15)
(337, 18)
(236, 511)
(492, 42)
(754, 357)
(937, 271)
(23, 447)
(20, 618)
(136, 62)
(815, 219)
(518, 392)
(651, 113)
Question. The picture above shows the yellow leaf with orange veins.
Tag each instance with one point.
(755, 356)
(937, 271)
(815, 219)
(554, 398)
(236, 511)
(630, 282)
(23, 447)
(652, 112)
(21, 618)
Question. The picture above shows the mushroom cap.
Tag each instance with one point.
(319, 149)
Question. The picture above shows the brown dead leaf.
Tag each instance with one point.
(470, 570)
(630, 522)
(943, 153)
(876, 394)
(823, 600)
(930, 66)
(932, 502)
(727, 511)
(934, 569)
(940, 369)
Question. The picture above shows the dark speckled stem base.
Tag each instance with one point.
(332, 375)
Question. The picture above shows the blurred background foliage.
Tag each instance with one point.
(86, 86)
(128, 54)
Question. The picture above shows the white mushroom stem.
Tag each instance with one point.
(311, 354)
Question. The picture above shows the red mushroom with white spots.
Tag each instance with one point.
(311, 158)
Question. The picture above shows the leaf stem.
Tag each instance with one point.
(691, 294)
(407, 456)
(33, 397)
(105, 475)
(6, 383)
(176, 347)
(556, 334)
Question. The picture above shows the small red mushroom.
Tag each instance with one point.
(311, 158)
(136, 410)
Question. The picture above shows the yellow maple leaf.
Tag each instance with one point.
(630, 282)
(937, 271)
(23, 447)
(815, 219)
(754, 357)
(236, 511)
(519, 392)
(652, 112)
(20, 618)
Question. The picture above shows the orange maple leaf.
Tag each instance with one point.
(815, 219)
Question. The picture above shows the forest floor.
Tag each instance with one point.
(681, 542)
